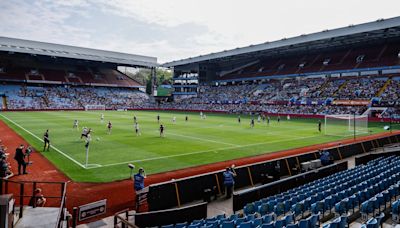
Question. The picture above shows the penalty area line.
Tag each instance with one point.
(55, 148)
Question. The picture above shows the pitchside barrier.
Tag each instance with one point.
(179, 192)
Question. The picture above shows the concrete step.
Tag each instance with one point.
(43, 217)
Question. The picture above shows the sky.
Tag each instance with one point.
(177, 29)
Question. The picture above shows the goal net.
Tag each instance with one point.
(346, 125)
(94, 107)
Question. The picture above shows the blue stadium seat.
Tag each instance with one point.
(264, 209)
(279, 223)
(317, 207)
(298, 208)
(344, 222)
(335, 223)
(268, 225)
(250, 208)
(396, 211)
(372, 223)
(181, 225)
(314, 220)
(341, 207)
(257, 203)
(233, 217)
(366, 209)
(304, 223)
(248, 224)
(287, 205)
(380, 218)
(228, 224)
(268, 218)
(213, 224)
(199, 221)
(239, 221)
(292, 226)
(168, 226)
(279, 208)
(257, 222)
(194, 225)
(250, 217)
(289, 219)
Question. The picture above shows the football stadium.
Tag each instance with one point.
(299, 132)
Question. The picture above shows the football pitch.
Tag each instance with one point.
(198, 141)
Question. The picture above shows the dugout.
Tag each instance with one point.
(180, 192)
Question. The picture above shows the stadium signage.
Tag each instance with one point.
(351, 102)
(92, 209)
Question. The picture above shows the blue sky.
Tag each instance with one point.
(175, 29)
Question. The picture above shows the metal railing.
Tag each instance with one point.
(20, 190)
(62, 213)
(123, 222)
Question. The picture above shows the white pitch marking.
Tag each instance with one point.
(56, 149)
(200, 152)
(203, 139)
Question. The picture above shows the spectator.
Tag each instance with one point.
(37, 200)
(326, 158)
(20, 158)
(229, 180)
(139, 180)
(140, 190)
(4, 166)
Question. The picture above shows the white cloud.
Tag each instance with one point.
(180, 28)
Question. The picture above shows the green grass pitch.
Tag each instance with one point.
(217, 138)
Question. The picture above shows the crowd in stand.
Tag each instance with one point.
(392, 92)
(61, 97)
(359, 89)
(309, 96)
(5, 166)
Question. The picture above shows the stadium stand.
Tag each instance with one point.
(365, 56)
(367, 191)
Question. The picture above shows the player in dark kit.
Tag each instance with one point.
(238, 119)
(46, 140)
(134, 119)
(252, 123)
(161, 130)
(186, 118)
(279, 119)
(109, 127)
(158, 118)
(268, 119)
(319, 125)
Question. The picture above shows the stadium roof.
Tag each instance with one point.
(65, 51)
(382, 28)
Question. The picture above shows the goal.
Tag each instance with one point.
(94, 107)
(346, 125)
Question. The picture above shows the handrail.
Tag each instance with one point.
(118, 219)
(24, 185)
(62, 206)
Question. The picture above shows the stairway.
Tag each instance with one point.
(340, 87)
(4, 107)
(381, 90)
(323, 86)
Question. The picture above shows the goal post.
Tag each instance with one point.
(346, 125)
(94, 107)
